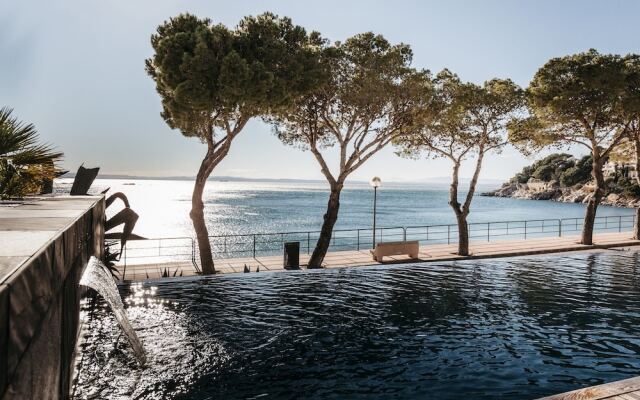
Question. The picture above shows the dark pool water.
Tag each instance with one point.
(517, 328)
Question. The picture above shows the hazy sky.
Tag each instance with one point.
(75, 68)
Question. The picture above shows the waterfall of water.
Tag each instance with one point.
(98, 278)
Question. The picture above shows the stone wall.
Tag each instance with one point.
(40, 297)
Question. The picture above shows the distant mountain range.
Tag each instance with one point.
(441, 180)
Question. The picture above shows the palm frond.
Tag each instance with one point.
(25, 163)
(19, 141)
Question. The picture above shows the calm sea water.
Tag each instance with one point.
(517, 328)
(239, 207)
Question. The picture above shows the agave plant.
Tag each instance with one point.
(25, 163)
(109, 259)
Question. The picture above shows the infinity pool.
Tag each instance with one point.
(516, 328)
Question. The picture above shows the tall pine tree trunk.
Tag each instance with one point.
(463, 234)
(636, 230)
(461, 218)
(197, 215)
(330, 218)
(592, 205)
(462, 211)
(636, 144)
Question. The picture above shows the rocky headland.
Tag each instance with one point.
(556, 193)
(562, 177)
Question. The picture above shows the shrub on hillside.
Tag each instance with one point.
(547, 169)
(625, 186)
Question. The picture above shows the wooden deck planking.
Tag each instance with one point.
(428, 253)
(627, 389)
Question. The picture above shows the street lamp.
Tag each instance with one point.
(375, 182)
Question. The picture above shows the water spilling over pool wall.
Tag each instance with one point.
(45, 244)
(99, 279)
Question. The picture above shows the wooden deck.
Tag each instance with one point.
(430, 253)
(628, 389)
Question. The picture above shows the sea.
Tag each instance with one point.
(261, 206)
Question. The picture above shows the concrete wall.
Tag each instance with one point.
(39, 300)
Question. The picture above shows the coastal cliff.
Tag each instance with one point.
(567, 195)
(561, 177)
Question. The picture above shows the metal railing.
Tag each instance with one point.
(252, 245)
(185, 249)
(159, 250)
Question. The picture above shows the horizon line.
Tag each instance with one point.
(438, 179)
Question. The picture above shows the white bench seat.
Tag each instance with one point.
(395, 248)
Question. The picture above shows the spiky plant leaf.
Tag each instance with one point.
(25, 163)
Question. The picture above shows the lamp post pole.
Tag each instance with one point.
(375, 197)
(375, 182)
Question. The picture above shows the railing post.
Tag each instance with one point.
(525, 229)
(559, 228)
(488, 231)
(448, 234)
(124, 271)
(358, 245)
(404, 234)
(619, 223)
(193, 251)
(308, 242)
(193, 255)
(254, 246)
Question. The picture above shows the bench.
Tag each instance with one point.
(395, 248)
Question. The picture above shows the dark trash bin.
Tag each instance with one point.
(292, 255)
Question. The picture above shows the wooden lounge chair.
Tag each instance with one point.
(83, 180)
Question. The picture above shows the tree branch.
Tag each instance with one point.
(324, 168)
(472, 185)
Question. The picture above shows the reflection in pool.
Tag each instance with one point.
(503, 328)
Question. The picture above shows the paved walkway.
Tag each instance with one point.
(429, 253)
